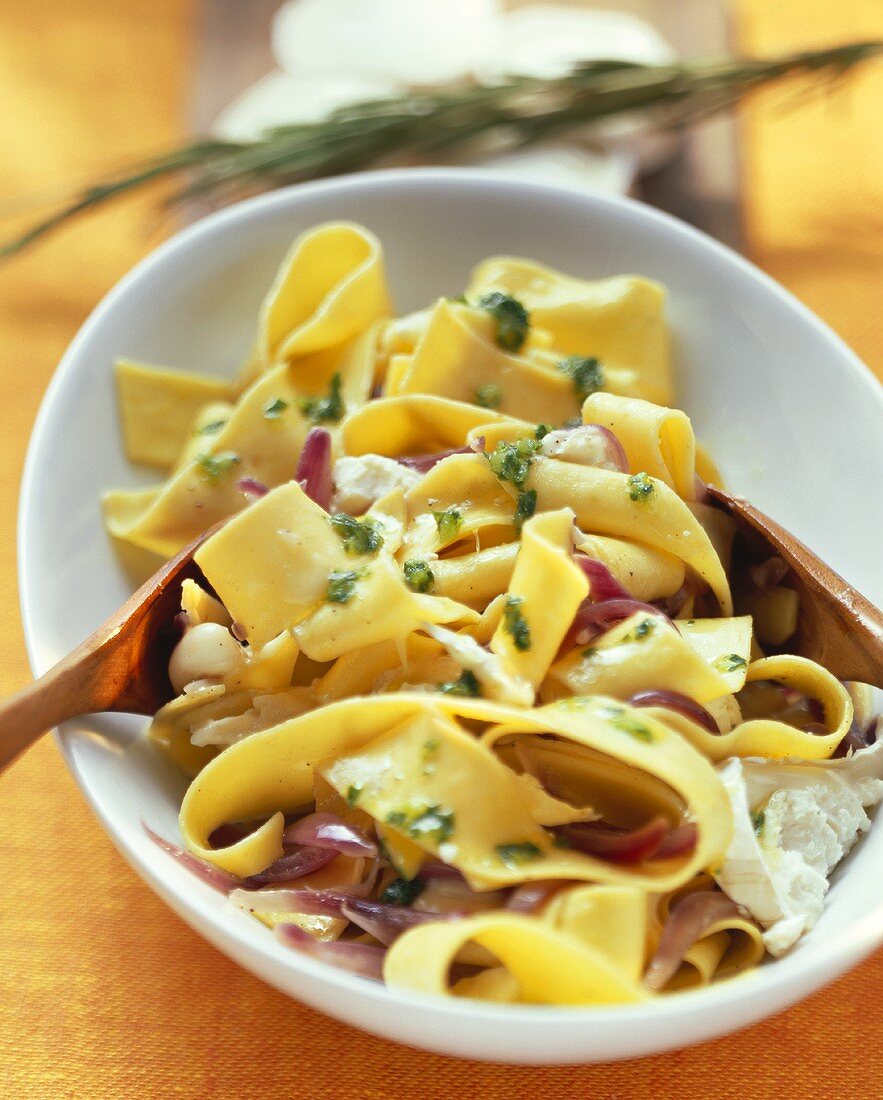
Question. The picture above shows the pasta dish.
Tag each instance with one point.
(471, 696)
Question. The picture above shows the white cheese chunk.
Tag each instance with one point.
(362, 479)
(793, 825)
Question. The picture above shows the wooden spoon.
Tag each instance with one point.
(837, 626)
(122, 667)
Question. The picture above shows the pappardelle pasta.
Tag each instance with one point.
(465, 699)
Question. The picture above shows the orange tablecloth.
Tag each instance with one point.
(103, 992)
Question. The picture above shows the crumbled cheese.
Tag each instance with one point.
(360, 480)
(793, 825)
(586, 446)
(487, 667)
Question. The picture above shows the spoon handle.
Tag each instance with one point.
(63, 692)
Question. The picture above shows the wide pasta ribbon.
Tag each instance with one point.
(619, 320)
(548, 965)
(368, 742)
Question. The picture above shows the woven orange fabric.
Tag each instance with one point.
(103, 992)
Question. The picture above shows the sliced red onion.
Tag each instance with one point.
(592, 619)
(387, 922)
(680, 841)
(615, 450)
(602, 583)
(689, 919)
(322, 830)
(650, 841)
(531, 896)
(604, 450)
(477, 445)
(681, 704)
(294, 864)
(239, 632)
(252, 488)
(672, 605)
(209, 874)
(312, 903)
(434, 868)
(313, 472)
(363, 959)
(422, 464)
(856, 738)
(768, 573)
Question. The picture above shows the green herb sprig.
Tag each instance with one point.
(515, 112)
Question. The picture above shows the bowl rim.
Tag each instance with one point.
(771, 987)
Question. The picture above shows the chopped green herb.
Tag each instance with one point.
(341, 586)
(212, 428)
(431, 823)
(514, 623)
(429, 754)
(359, 536)
(319, 409)
(525, 508)
(448, 523)
(730, 662)
(512, 319)
(621, 721)
(635, 728)
(354, 793)
(640, 486)
(585, 374)
(511, 461)
(758, 820)
(561, 842)
(489, 396)
(212, 467)
(644, 627)
(590, 652)
(542, 430)
(402, 892)
(274, 409)
(418, 576)
(467, 685)
(513, 855)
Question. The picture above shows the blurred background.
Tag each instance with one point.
(793, 179)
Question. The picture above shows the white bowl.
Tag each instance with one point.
(789, 412)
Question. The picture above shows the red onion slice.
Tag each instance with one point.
(681, 704)
(363, 959)
(321, 830)
(387, 922)
(531, 896)
(655, 840)
(252, 488)
(434, 868)
(680, 841)
(312, 903)
(592, 619)
(313, 472)
(602, 583)
(294, 864)
(689, 919)
(211, 875)
(615, 452)
(422, 464)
